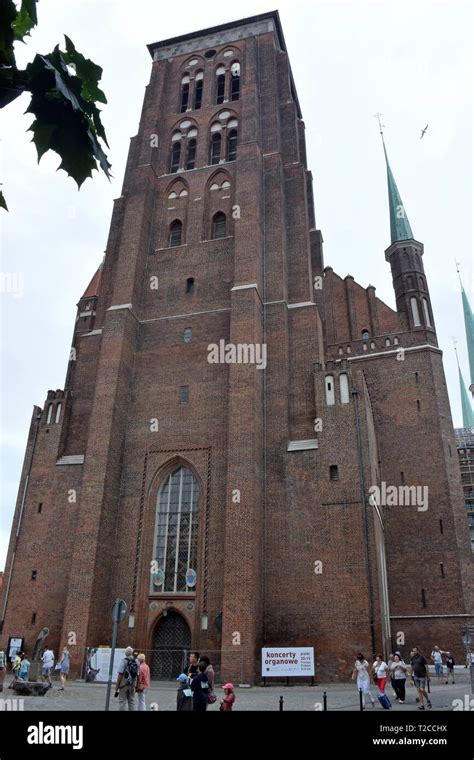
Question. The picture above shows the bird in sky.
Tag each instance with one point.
(423, 131)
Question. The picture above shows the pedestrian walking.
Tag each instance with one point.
(228, 702)
(200, 688)
(437, 657)
(184, 697)
(210, 677)
(390, 673)
(24, 668)
(65, 664)
(143, 682)
(16, 665)
(398, 672)
(421, 676)
(48, 662)
(193, 669)
(380, 669)
(3, 668)
(127, 678)
(449, 666)
(361, 675)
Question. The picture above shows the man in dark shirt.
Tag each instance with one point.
(193, 665)
(200, 689)
(421, 674)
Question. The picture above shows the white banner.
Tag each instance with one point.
(101, 661)
(287, 661)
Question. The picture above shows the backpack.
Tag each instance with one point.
(130, 674)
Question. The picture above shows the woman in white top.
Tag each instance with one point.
(361, 672)
(398, 671)
(380, 672)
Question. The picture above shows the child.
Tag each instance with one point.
(449, 666)
(184, 698)
(229, 699)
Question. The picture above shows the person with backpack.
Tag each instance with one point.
(127, 678)
(200, 689)
(184, 697)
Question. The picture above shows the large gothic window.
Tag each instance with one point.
(176, 532)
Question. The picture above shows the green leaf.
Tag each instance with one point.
(88, 72)
(42, 136)
(26, 19)
(8, 14)
(3, 203)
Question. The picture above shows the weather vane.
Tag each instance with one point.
(381, 126)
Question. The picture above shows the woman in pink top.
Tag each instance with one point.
(229, 699)
(143, 682)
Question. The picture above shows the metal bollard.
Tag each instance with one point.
(281, 704)
(325, 701)
(361, 704)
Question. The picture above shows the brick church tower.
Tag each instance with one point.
(230, 404)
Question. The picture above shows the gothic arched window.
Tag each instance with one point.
(198, 90)
(232, 145)
(175, 152)
(184, 94)
(219, 226)
(220, 85)
(426, 311)
(175, 548)
(415, 312)
(176, 233)
(235, 81)
(215, 148)
(191, 158)
(329, 385)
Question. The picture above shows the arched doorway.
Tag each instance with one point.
(171, 645)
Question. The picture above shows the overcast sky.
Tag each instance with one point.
(412, 61)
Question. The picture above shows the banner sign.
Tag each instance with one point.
(287, 661)
(100, 661)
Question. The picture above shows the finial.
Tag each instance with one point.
(381, 126)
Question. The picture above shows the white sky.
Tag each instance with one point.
(412, 61)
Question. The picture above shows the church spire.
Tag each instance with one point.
(467, 413)
(399, 225)
(469, 325)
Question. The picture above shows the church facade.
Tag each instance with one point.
(249, 448)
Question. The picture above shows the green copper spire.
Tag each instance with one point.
(467, 413)
(469, 324)
(399, 225)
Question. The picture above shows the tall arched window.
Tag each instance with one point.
(176, 233)
(426, 312)
(220, 84)
(344, 388)
(415, 312)
(410, 282)
(184, 93)
(175, 547)
(50, 414)
(219, 226)
(198, 90)
(329, 385)
(215, 148)
(191, 157)
(235, 81)
(58, 413)
(232, 145)
(175, 152)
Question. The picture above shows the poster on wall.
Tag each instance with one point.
(100, 663)
(287, 661)
(15, 646)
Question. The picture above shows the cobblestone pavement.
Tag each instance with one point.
(91, 696)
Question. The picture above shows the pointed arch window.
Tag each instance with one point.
(220, 85)
(175, 159)
(184, 101)
(198, 90)
(175, 548)
(415, 312)
(215, 148)
(176, 233)
(191, 157)
(58, 414)
(344, 388)
(235, 81)
(329, 386)
(219, 226)
(410, 283)
(426, 312)
(232, 145)
(50, 414)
